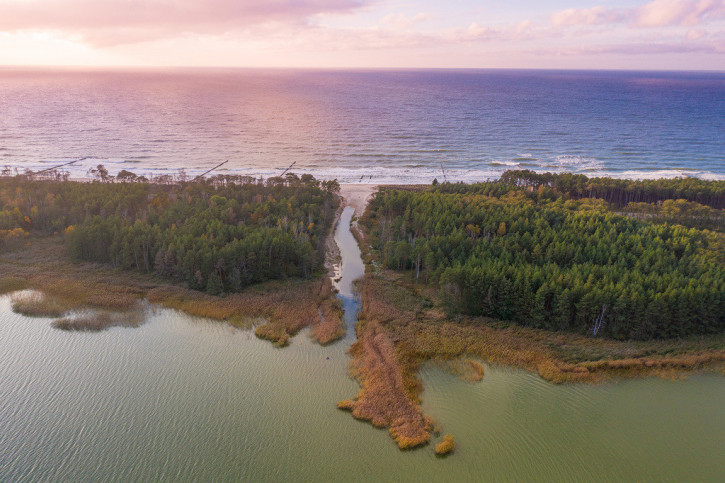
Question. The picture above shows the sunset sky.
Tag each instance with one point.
(616, 34)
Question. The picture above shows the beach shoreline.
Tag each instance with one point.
(357, 195)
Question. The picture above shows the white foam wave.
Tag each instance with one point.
(402, 174)
(569, 162)
(660, 173)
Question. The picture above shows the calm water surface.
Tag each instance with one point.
(182, 398)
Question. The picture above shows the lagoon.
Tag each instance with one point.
(182, 398)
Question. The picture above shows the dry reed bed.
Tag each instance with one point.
(43, 266)
(521, 348)
(288, 307)
(98, 321)
(446, 446)
(385, 398)
(36, 304)
(557, 357)
(61, 293)
(330, 326)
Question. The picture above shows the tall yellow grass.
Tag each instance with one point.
(557, 357)
(385, 398)
(446, 446)
(286, 306)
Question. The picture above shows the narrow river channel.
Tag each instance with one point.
(351, 268)
(186, 399)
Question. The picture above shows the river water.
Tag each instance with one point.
(182, 398)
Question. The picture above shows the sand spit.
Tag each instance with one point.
(357, 196)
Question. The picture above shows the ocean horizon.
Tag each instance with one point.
(369, 126)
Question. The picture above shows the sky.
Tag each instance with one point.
(558, 34)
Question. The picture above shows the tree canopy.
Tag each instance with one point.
(543, 258)
(218, 235)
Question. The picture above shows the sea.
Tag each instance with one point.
(364, 126)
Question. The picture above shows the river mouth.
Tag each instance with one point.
(185, 398)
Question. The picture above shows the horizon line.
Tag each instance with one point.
(340, 68)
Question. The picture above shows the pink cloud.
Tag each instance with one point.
(402, 22)
(586, 16)
(648, 48)
(108, 22)
(665, 13)
(655, 14)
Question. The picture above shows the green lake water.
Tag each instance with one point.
(181, 398)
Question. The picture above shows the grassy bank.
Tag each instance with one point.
(404, 324)
(62, 287)
(400, 330)
(422, 332)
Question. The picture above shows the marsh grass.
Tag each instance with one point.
(446, 446)
(330, 326)
(398, 331)
(36, 304)
(426, 334)
(12, 284)
(386, 397)
(98, 321)
(286, 306)
(44, 267)
(463, 368)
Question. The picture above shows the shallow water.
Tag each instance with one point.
(182, 398)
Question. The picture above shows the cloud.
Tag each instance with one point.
(109, 22)
(402, 22)
(665, 13)
(589, 16)
(655, 14)
(647, 48)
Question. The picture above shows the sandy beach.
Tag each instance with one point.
(357, 195)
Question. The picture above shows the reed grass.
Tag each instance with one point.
(386, 398)
(331, 326)
(10, 284)
(36, 304)
(398, 331)
(446, 446)
(425, 334)
(286, 306)
(98, 321)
